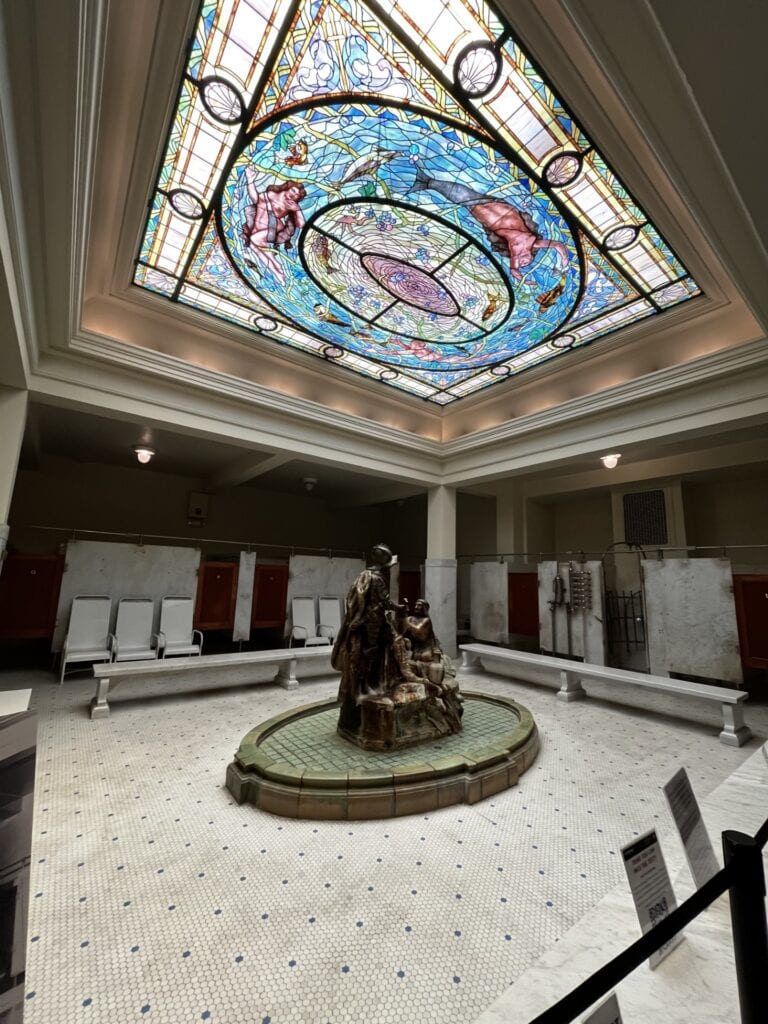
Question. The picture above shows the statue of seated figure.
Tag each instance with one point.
(429, 661)
(397, 686)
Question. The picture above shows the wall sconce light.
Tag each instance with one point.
(143, 453)
(610, 461)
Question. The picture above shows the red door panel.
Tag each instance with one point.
(523, 603)
(751, 596)
(216, 595)
(29, 594)
(270, 590)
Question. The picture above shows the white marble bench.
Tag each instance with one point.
(571, 673)
(218, 668)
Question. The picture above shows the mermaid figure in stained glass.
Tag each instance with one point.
(272, 218)
(509, 230)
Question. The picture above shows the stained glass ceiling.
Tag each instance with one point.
(394, 187)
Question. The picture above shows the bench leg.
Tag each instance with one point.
(99, 704)
(735, 733)
(570, 687)
(286, 675)
(469, 661)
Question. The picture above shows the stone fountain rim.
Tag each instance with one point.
(415, 787)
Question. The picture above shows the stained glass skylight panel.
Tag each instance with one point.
(395, 188)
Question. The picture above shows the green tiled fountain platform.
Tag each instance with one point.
(297, 765)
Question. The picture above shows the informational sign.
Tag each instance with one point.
(690, 824)
(651, 888)
(607, 1012)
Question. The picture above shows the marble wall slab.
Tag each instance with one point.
(440, 592)
(124, 570)
(691, 618)
(464, 595)
(697, 981)
(244, 602)
(489, 599)
(585, 635)
(318, 576)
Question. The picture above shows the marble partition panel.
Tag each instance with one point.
(124, 570)
(318, 576)
(584, 636)
(244, 603)
(440, 592)
(489, 596)
(691, 618)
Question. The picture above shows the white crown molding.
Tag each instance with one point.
(180, 372)
(717, 390)
(81, 382)
(707, 369)
(675, 133)
(91, 48)
(14, 244)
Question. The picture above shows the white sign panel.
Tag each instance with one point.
(690, 824)
(651, 888)
(607, 1012)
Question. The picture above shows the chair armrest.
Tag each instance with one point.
(298, 633)
(329, 630)
(112, 645)
(196, 632)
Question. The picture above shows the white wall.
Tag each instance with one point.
(730, 511)
(583, 523)
(124, 570)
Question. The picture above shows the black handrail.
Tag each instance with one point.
(608, 976)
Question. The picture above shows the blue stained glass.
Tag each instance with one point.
(395, 228)
(491, 228)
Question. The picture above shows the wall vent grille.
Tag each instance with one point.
(645, 517)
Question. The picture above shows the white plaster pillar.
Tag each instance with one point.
(13, 418)
(440, 565)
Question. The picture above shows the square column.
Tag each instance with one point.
(440, 593)
(440, 565)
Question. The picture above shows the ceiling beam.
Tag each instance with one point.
(246, 468)
(381, 495)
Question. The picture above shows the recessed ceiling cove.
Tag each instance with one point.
(396, 188)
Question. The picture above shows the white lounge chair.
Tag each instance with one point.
(133, 630)
(88, 637)
(176, 635)
(329, 609)
(304, 623)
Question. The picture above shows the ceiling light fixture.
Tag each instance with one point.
(310, 482)
(610, 461)
(143, 453)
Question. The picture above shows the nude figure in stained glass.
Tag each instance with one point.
(509, 230)
(272, 218)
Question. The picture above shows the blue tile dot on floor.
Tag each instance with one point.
(187, 875)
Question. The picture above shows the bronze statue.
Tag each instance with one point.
(397, 686)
